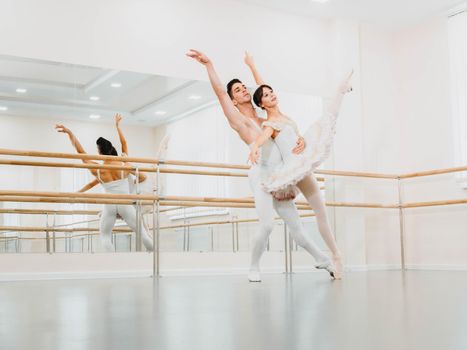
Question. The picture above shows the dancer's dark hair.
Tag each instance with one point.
(230, 85)
(105, 147)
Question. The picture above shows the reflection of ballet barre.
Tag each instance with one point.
(122, 167)
(125, 202)
(118, 158)
(48, 212)
(62, 212)
(217, 165)
(124, 229)
(120, 230)
(168, 200)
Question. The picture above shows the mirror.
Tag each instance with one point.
(35, 95)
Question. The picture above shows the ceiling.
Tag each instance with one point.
(35, 88)
(388, 13)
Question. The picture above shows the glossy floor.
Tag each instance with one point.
(368, 310)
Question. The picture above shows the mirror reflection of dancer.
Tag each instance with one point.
(113, 181)
(241, 115)
(297, 169)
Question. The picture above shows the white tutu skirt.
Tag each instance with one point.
(281, 181)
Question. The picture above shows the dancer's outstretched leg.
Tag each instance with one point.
(128, 214)
(265, 212)
(106, 224)
(289, 213)
(310, 190)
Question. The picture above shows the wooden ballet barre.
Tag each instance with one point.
(434, 203)
(58, 229)
(224, 222)
(122, 202)
(70, 200)
(356, 174)
(362, 205)
(124, 198)
(119, 167)
(11, 152)
(126, 230)
(174, 162)
(48, 212)
(108, 198)
(125, 167)
(434, 172)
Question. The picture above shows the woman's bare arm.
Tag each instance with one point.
(251, 64)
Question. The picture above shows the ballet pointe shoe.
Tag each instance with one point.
(254, 275)
(328, 266)
(346, 86)
(339, 267)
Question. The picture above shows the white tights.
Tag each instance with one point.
(128, 214)
(310, 190)
(265, 206)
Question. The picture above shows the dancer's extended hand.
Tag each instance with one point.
(199, 56)
(62, 128)
(254, 155)
(118, 119)
(248, 59)
(300, 146)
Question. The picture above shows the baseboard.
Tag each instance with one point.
(437, 267)
(38, 276)
(211, 272)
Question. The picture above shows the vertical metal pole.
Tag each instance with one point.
(47, 234)
(54, 235)
(158, 230)
(156, 226)
(233, 237)
(188, 236)
(212, 238)
(291, 241)
(286, 254)
(401, 222)
(139, 245)
(236, 234)
(184, 230)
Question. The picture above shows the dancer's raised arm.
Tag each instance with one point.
(251, 64)
(118, 119)
(74, 141)
(235, 118)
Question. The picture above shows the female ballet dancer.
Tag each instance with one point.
(144, 185)
(296, 172)
(140, 184)
(113, 181)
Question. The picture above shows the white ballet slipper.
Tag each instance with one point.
(254, 275)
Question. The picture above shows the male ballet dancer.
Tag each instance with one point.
(242, 117)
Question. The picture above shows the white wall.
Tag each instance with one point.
(152, 36)
(407, 128)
